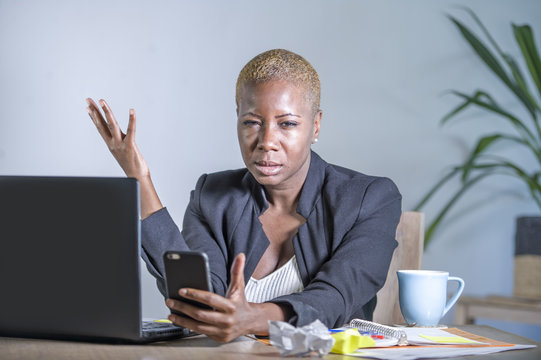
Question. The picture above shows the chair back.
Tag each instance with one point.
(407, 256)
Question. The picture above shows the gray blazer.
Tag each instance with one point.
(343, 250)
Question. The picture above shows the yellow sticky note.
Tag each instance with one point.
(163, 321)
(449, 339)
(350, 340)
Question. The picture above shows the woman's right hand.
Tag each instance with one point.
(122, 146)
(126, 153)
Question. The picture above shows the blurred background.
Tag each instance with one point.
(385, 67)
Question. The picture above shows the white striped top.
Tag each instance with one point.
(283, 281)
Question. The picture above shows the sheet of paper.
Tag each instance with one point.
(414, 352)
(385, 342)
(431, 336)
(449, 339)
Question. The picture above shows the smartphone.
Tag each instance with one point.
(186, 269)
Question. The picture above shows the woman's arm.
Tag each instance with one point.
(161, 232)
(357, 267)
(126, 153)
(233, 315)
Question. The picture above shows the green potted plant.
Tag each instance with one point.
(482, 162)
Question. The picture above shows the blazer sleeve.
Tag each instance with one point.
(357, 268)
(159, 234)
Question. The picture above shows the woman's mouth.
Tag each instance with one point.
(268, 168)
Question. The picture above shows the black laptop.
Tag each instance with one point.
(69, 260)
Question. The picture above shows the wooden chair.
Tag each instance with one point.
(407, 256)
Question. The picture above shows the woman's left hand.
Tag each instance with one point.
(233, 315)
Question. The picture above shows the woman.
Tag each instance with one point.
(289, 237)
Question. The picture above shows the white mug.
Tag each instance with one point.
(423, 295)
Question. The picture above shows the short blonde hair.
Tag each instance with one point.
(280, 64)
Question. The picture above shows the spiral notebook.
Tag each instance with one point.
(393, 336)
(415, 335)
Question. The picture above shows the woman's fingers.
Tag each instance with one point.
(102, 129)
(109, 129)
(130, 133)
(216, 325)
(237, 276)
(199, 314)
(97, 118)
(205, 297)
(233, 316)
(95, 110)
(111, 121)
(212, 331)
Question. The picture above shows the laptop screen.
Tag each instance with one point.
(69, 256)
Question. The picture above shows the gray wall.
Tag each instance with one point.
(384, 66)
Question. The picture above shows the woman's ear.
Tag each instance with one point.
(317, 125)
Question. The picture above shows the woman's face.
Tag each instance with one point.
(276, 126)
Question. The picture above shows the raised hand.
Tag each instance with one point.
(125, 151)
(122, 146)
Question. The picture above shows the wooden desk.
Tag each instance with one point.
(499, 308)
(201, 347)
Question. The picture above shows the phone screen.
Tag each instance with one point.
(186, 269)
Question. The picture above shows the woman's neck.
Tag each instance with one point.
(283, 200)
(285, 197)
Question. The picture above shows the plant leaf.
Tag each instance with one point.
(490, 169)
(515, 70)
(434, 225)
(532, 181)
(525, 39)
(482, 144)
(523, 175)
(490, 60)
(435, 188)
(477, 95)
(537, 197)
(494, 107)
(521, 83)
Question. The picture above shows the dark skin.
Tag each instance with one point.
(276, 126)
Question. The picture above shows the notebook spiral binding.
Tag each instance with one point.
(387, 331)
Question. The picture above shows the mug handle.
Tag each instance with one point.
(455, 297)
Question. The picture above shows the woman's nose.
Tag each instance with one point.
(268, 139)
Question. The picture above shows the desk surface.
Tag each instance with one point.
(497, 307)
(201, 347)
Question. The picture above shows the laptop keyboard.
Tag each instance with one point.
(148, 325)
(152, 329)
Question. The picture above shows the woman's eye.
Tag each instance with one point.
(289, 124)
(250, 122)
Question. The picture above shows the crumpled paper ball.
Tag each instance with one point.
(294, 341)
